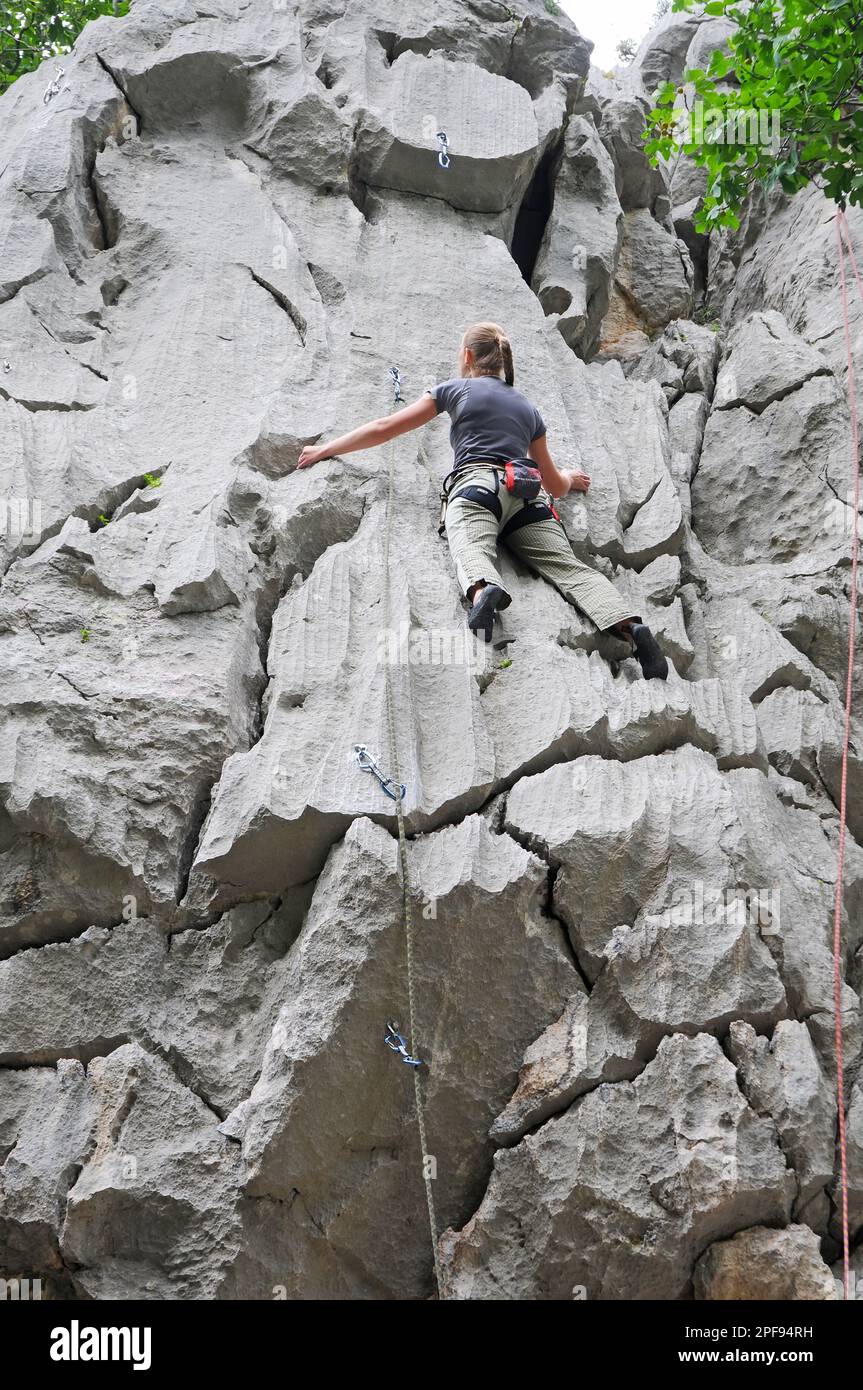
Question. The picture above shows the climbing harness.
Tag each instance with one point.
(369, 764)
(474, 492)
(842, 228)
(53, 88)
(396, 1043)
(394, 1039)
(521, 480)
(443, 158)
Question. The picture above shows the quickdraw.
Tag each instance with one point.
(54, 86)
(397, 385)
(369, 764)
(397, 1043)
(443, 158)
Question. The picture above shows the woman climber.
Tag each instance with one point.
(493, 492)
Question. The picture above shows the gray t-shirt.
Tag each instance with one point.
(489, 418)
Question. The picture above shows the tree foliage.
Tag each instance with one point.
(32, 30)
(797, 67)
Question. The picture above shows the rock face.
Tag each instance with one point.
(760, 1263)
(216, 238)
(616, 1195)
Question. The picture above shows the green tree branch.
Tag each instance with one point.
(800, 62)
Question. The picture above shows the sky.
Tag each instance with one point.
(606, 22)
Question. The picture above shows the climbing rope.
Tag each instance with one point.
(842, 229)
(404, 1046)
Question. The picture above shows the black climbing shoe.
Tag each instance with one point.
(649, 653)
(481, 617)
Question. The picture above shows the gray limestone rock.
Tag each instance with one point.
(782, 1077)
(682, 360)
(152, 1212)
(346, 1173)
(677, 971)
(575, 270)
(761, 1263)
(854, 1142)
(653, 280)
(777, 474)
(620, 1194)
(218, 234)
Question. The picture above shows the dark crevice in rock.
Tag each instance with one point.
(267, 601)
(121, 89)
(628, 1070)
(358, 189)
(86, 366)
(626, 514)
(549, 910)
(83, 693)
(39, 639)
(784, 679)
(559, 753)
(535, 210)
(51, 929)
(542, 851)
(100, 208)
(198, 815)
(441, 40)
(780, 395)
(373, 206)
(116, 501)
(50, 1056)
(325, 75)
(184, 1072)
(18, 285)
(495, 814)
(284, 303)
(557, 300)
(46, 405)
(387, 41)
(394, 45)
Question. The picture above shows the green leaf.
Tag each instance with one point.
(42, 28)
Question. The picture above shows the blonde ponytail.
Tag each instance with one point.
(492, 351)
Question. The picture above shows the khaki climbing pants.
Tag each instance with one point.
(531, 532)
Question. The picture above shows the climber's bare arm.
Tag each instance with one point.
(553, 480)
(374, 433)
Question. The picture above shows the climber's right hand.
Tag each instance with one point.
(310, 455)
(578, 481)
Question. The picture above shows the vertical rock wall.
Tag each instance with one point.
(215, 239)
